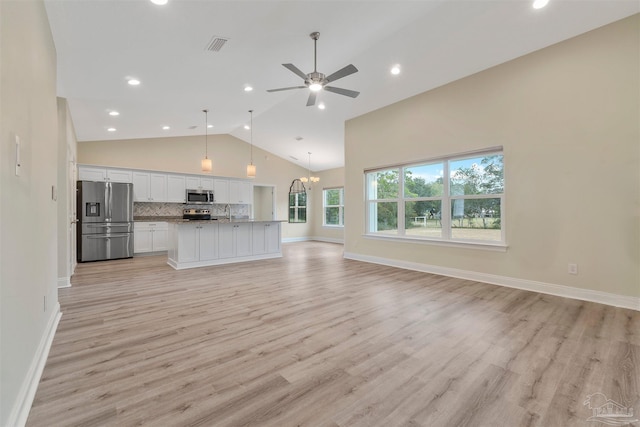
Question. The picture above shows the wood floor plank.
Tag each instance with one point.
(316, 340)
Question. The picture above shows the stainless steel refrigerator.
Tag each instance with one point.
(105, 220)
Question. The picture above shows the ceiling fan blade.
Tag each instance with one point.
(286, 88)
(344, 72)
(312, 99)
(295, 70)
(340, 91)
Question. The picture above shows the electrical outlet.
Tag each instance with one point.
(573, 269)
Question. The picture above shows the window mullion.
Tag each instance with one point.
(445, 215)
(401, 225)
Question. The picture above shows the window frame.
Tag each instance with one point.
(446, 201)
(297, 207)
(340, 208)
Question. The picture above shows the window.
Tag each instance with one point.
(298, 207)
(297, 202)
(457, 198)
(333, 204)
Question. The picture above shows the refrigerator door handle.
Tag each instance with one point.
(119, 236)
(109, 201)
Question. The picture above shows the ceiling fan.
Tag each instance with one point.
(316, 81)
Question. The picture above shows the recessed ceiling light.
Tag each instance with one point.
(159, 2)
(114, 113)
(165, 128)
(111, 129)
(321, 106)
(395, 70)
(539, 4)
(248, 88)
(133, 82)
(247, 127)
(209, 126)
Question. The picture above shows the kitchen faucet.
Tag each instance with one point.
(227, 206)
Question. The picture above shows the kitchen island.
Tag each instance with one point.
(200, 243)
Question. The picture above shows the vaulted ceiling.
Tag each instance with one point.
(101, 43)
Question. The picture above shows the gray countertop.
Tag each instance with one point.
(180, 220)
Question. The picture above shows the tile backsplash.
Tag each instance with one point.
(175, 209)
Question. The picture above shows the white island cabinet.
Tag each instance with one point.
(204, 243)
(266, 237)
(235, 240)
(195, 243)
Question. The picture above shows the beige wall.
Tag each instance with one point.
(568, 119)
(28, 228)
(328, 179)
(183, 154)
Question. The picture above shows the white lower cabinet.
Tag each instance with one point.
(197, 242)
(266, 238)
(235, 240)
(150, 237)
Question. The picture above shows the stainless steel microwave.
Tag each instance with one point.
(199, 197)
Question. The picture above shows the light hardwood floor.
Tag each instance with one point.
(314, 339)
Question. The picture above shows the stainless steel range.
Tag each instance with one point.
(196, 214)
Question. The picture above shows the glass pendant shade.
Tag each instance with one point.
(206, 165)
(251, 170)
(206, 162)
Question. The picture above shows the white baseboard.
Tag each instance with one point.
(615, 300)
(313, 238)
(295, 239)
(328, 240)
(20, 411)
(64, 282)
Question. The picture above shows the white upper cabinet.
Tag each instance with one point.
(149, 187)
(194, 182)
(240, 192)
(158, 187)
(93, 173)
(169, 187)
(221, 190)
(119, 175)
(176, 186)
(206, 183)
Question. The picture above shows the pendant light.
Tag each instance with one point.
(251, 168)
(310, 178)
(206, 162)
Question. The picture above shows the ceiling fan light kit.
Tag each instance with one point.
(316, 81)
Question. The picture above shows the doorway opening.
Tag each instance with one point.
(264, 202)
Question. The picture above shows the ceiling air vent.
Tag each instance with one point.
(216, 43)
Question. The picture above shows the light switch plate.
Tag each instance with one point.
(17, 139)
